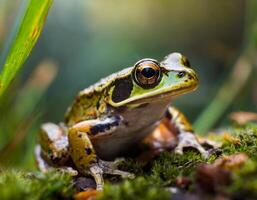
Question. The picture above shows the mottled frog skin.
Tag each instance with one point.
(109, 118)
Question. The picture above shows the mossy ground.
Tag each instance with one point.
(152, 180)
(25, 185)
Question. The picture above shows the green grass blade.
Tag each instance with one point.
(24, 39)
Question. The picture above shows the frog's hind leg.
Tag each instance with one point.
(41, 163)
(53, 149)
(83, 153)
(186, 138)
(54, 144)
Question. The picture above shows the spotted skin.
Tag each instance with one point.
(107, 119)
(81, 150)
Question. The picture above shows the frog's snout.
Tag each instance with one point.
(188, 75)
(188, 79)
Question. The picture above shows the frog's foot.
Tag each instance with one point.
(112, 164)
(188, 139)
(111, 168)
(106, 167)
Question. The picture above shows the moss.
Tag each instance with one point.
(170, 165)
(152, 179)
(247, 137)
(130, 165)
(138, 188)
(23, 185)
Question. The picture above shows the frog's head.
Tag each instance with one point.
(150, 80)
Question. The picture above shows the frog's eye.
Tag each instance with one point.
(185, 61)
(147, 73)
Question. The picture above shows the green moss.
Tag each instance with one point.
(247, 136)
(130, 165)
(170, 165)
(22, 185)
(138, 188)
(151, 179)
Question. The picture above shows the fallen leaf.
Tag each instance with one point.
(89, 194)
(242, 118)
(231, 163)
(210, 177)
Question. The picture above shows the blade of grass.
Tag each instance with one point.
(26, 33)
(24, 112)
(230, 89)
(241, 73)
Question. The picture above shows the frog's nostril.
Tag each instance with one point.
(181, 74)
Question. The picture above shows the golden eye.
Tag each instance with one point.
(185, 61)
(147, 73)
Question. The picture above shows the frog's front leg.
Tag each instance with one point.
(83, 153)
(185, 133)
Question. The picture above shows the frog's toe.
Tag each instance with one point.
(179, 150)
(118, 161)
(112, 164)
(97, 172)
(121, 173)
(189, 140)
(106, 167)
(109, 167)
(128, 175)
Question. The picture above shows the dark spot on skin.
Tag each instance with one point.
(80, 135)
(98, 129)
(186, 81)
(168, 115)
(116, 121)
(102, 127)
(190, 76)
(185, 62)
(88, 151)
(97, 105)
(78, 100)
(122, 89)
(80, 158)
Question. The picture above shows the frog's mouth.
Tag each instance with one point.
(169, 95)
(158, 95)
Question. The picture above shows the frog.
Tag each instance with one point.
(111, 117)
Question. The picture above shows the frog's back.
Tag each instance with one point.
(84, 107)
(90, 102)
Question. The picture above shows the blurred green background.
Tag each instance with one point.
(88, 40)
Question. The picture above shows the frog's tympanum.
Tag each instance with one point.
(107, 119)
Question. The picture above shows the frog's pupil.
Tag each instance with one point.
(148, 72)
